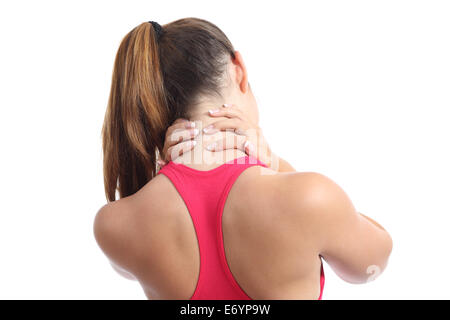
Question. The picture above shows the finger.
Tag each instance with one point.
(180, 120)
(180, 135)
(238, 144)
(231, 140)
(161, 163)
(250, 149)
(180, 148)
(176, 137)
(180, 124)
(230, 112)
(236, 125)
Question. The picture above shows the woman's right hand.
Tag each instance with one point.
(248, 136)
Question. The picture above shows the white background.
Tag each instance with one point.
(356, 90)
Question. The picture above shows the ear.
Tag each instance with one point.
(241, 72)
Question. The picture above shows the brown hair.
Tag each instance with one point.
(155, 82)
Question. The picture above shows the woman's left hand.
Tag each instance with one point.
(179, 139)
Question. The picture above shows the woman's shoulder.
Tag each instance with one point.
(128, 220)
(295, 197)
(285, 187)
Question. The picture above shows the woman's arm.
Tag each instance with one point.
(110, 234)
(356, 247)
(122, 271)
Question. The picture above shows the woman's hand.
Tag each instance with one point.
(179, 139)
(249, 137)
(241, 134)
(180, 135)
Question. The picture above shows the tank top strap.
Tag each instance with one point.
(240, 165)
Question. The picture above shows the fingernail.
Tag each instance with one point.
(160, 163)
(249, 146)
(195, 132)
(190, 124)
(226, 105)
(193, 142)
(208, 128)
(211, 146)
(213, 111)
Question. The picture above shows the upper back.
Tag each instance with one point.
(267, 255)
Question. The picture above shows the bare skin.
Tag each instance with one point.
(277, 223)
(275, 227)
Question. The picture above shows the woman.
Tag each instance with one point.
(224, 218)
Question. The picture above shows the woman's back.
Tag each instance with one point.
(163, 224)
(276, 226)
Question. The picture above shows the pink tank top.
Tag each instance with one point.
(205, 193)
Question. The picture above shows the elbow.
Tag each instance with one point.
(388, 248)
(373, 271)
(373, 265)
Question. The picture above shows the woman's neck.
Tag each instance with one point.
(200, 157)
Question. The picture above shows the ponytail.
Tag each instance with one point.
(155, 72)
(137, 114)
